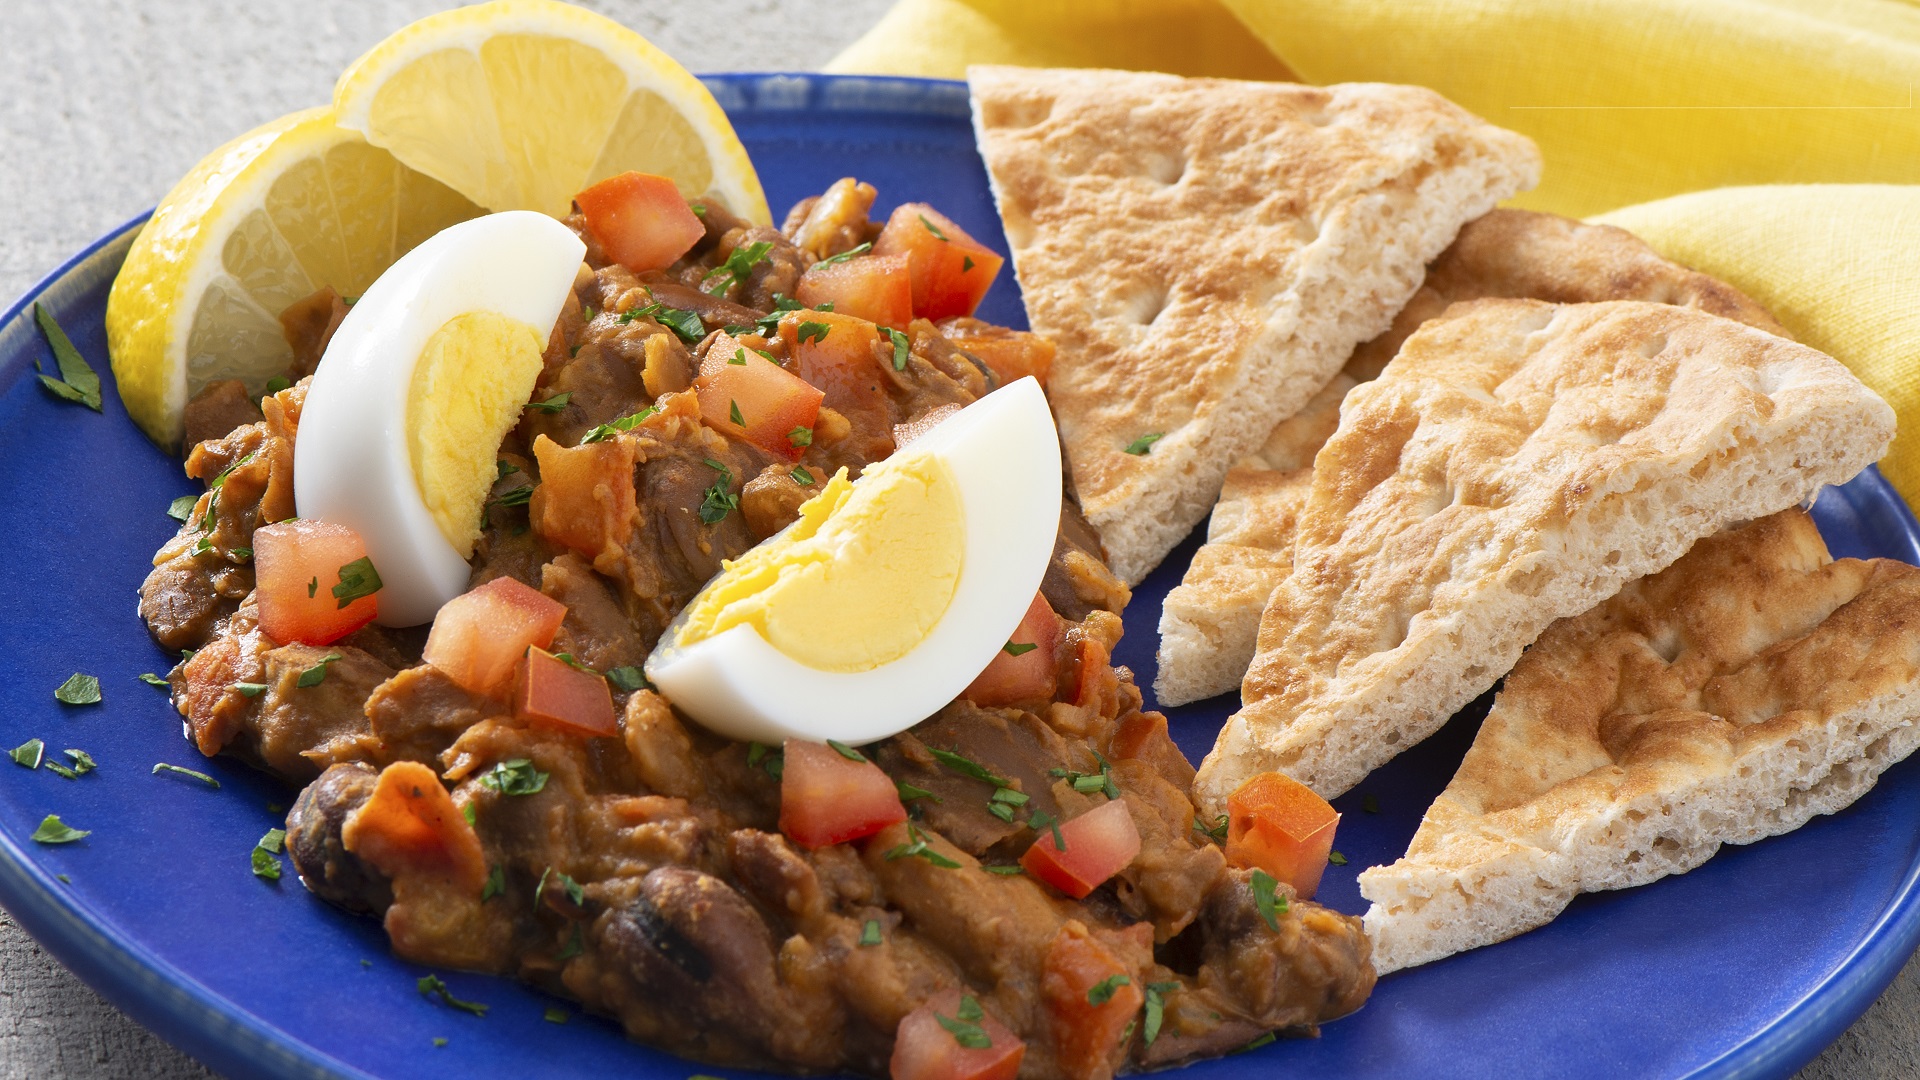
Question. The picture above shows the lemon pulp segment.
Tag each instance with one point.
(469, 385)
(859, 580)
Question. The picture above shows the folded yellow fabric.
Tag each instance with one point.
(1837, 264)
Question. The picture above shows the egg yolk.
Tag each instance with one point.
(469, 385)
(859, 580)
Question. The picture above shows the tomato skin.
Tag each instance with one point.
(411, 826)
(1086, 1035)
(924, 1050)
(550, 691)
(1029, 677)
(843, 364)
(585, 499)
(478, 637)
(291, 556)
(640, 220)
(826, 798)
(951, 270)
(1100, 843)
(1012, 354)
(1277, 824)
(772, 400)
(877, 288)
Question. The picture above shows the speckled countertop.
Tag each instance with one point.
(103, 104)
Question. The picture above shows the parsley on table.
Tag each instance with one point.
(1018, 648)
(182, 508)
(1271, 903)
(917, 847)
(514, 776)
(800, 436)
(1144, 443)
(850, 253)
(870, 934)
(555, 1015)
(627, 678)
(430, 985)
(79, 689)
(82, 765)
(813, 331)
(1102, 992)
(1156, 1010)
(316, 674)
(54, 831)
(78, 381)
(200, 776)
(965, 1027)
(740, 263)
(932, 228)
(439, 1042)
(29, 753)
(266, 855)
(553, 404)
(1369, 804)
(614, 427)
(357, 579)
(899, 347)
(720, 500)
(1256, 1043)
(801, 476)
(1336, 858)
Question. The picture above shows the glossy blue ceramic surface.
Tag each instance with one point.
(1745, 967)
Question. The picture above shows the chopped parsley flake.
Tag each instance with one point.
(908, 792)
(1144, 443)
(1102, 992)
(29, 753)
(1369, 804)
(556, 1015)
(801, 476)
(1040, 819)
(932, 228)
(740, 263)
(967, 767)
(1156, 1010)
(1018, 648)
(686, 324)
(313, 583)
(782, 303)
(614, 427)
(553, 404)
(200, 776)
(439, 1041)
(515, 776)
(719, 501)
(266, 855)
(1005, 871)
(78, 690)
(275, 840)
(966, 263)
(431, 985)
(733, 413)
(519, 496)
(78, 381)
(1216, 831)
(846, 751)
(1271, 904)
(54, 831)
(1256, 1044)
(575, 945)
(278, 383)
(770, 758)
(250, 689)
(182, 508)
(739, 357)
(316, 674)
(496, 882)
(814, 331)
(800, 436)
(471, 814)
(357, 579)
(870, 934)
(917, 847)
(627, 678)
(83, 762)
(964, 1028)
(850, 253)
(1336, 858)
(899, 347)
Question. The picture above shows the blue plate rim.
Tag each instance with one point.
(222, 1035)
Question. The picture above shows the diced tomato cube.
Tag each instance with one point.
(1091, 997)
(410, 826)
(951, 270)
(837, 354)
(877, 288)
(1097, 845)
(827, 797)
(479, 636)
(297, 567)
(585, 498)
(1012, 354)
(1277, 824)
(926, 1049)
(555, 693)
(750, 397)
(640, 220)
(1022, 672)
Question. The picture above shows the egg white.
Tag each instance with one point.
(1004, 455)
(351, 461)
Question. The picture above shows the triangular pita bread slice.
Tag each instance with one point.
(1209, 620)
(1733, 696)
(1206, 253)
(1517, 463)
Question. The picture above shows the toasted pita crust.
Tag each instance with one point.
(1206, 253)
(1734, 695)
(1208, 623)
(1517, 463)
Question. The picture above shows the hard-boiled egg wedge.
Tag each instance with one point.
(425, 376)
(888, 595)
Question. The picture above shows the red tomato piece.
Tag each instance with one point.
(1277, 824)
(829, 798)
(553, 692)
(1086, 1031)
(877, 288)
(1022, 672)
(771, 402)
(951, 270)
(1099, 844)
(640, 220)
(411, 826)
(925, 1049)
(585, 499)
(837, 354)
(479, 636)
(297, 566)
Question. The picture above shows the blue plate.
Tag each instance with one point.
(1745, 967)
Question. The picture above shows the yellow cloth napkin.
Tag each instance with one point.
(1630, 101)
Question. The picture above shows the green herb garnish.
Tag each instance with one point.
(1102, 992)
(278, 383)
(966, 263)
(770, 758)
(1144, 443)
(908, 792)
(1018, 648)
(686, 324)
(249, 689)
(496, 882)
(1256, 1043)
(515, 776)
(200, 776)
(845, 255)
(266, 865)
(1005, 871)
(1369, 804)
(182, 508)
(1040, 819)
(555, 1015)
(801, 476)
(917, 847)
(740, 263)
(733, 413)
(519, 496)
(430, 985)
(800, 436)
(770, 322)
(739, 357)
(1156, 1010)
(316, 674)
(870, 934)
(627, 678)
(78, 381)
(29, 753)
(932, 228)
(357, 579)
(899, 347)
(1217, 831)
(78, 690)
(1336, 858)
(1272, 904)
(83, 762)
(814, 331)
(54, 831)
(719, 501)
(553, 404)
(967, 767)
(965, 1027)
(846, 751)
(614, 427)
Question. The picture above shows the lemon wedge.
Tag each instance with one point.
(519, 104)
(261, 222)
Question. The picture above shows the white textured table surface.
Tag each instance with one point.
(104, 104)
